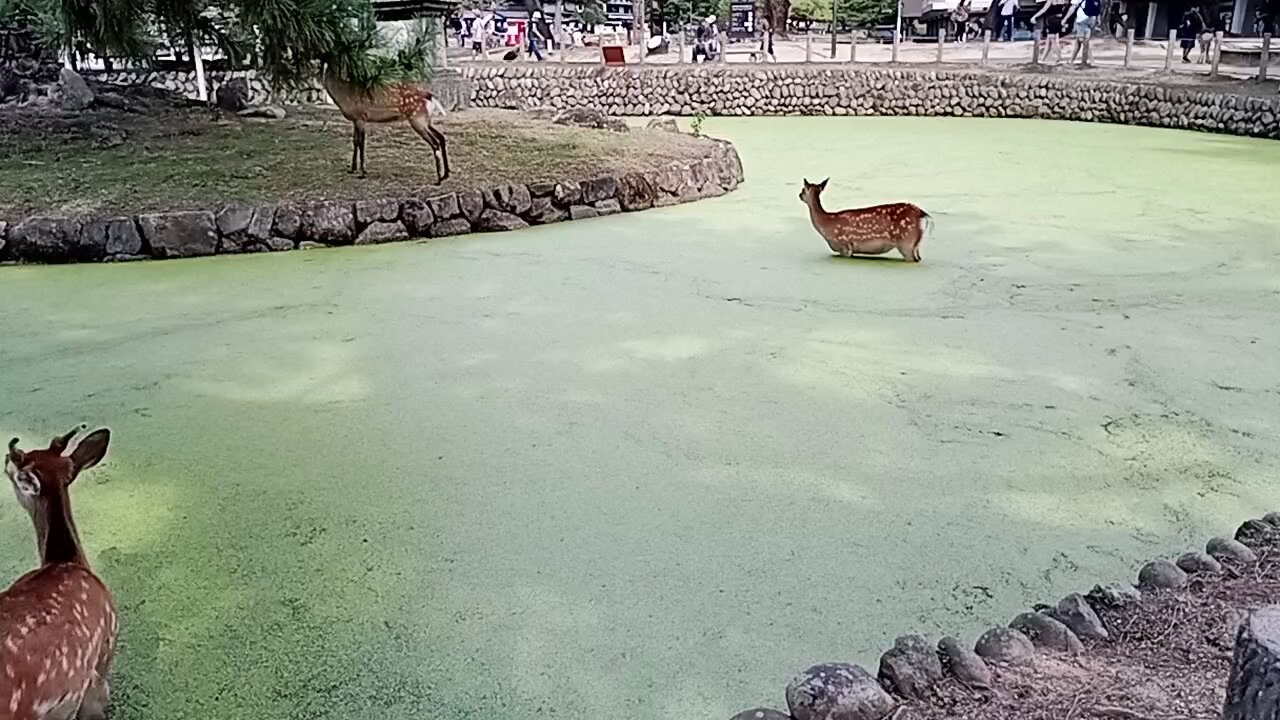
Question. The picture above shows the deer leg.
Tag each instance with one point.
(421, 124)
(363, 136)
(355, 147)
(444, 152)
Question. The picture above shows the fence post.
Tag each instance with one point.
(808, 48)
(986, 45)
(680, 47)
(942, 41)
(1266, 57)
(1128, 47)
(1035, 48)
(722, 58)
(853, 47)
(643, 46)
(1168, 50)
(896, 32)
(1216, 51)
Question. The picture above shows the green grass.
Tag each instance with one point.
(195, 158)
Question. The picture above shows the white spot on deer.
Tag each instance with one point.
(14, 700)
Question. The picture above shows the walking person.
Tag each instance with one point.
(1053, 12)
(1189, 31)
(480, 29)
(767, 28)
(1086, 14)
(1008, 9)
(536, 38)
(960, 21)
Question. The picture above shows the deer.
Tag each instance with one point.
(57, 622)
(402, 101)
(867, 231)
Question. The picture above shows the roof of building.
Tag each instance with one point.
(407, 9)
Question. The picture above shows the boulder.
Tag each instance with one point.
(179, 234)
(268, 112)
(1161, 575)
(761, 714)
(1005, 645)
(538, 189)
(1224, 548)
(498, 221)
(911, 667)
(233, 220)
(73, 91)
(1075, 612)
(1256, 532)
(607, 207)
(566, 193)
(1114, 595)
(45, 239)
(330, 222)
(600, 188)
(444, 206)
(511, 198)
(1194, 563)
(417, 217)
(382, 232)
(446, 228)
(635, 192)
(372, 211)
(582, 212)
(105, 237)
(963, 663)
(232, 95)
(1047, 633)
(542, 211)
(837, 691)
(288, 220)
(590, 118)
(4, 236)
(471, 203)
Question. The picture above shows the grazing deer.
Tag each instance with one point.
(388, 105)
(57, 622)
(867, 231)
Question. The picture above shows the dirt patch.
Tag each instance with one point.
(1167, 658)
(174, 156)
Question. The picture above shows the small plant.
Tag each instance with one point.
(695, 125)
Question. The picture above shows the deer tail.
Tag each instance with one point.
(437, 109)
(926, 222)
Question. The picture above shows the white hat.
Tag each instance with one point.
(711, 19)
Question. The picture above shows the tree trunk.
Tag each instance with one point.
(1253, 688)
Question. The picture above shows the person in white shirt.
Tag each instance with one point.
(1008, 8)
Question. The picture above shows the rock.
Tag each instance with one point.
(498, 221)
(542, 212)
(270, 112)
(259, 228)
(590, 118)
(179, 234)
(4, 236)
(607, 207)
(510, 198)
(837, 691)
(471, 203)
(330, 222)
(233, 220)
(445, 228)
(597, 189)
(963, 663)
(309, 245)
(582, 212)
(1005, 645)
(911, 667)
(1161, 575)
(635, 192)
(1047, 633)
(1198, 562)
(1256, 532)
(1114, 595)
(566, 194)
(539, 189)
(1075, 612)
(106, 135)
(44, 239)
(278, 244)
(113, 100)
(288, 220)
(382, 232)
(232, 95)
(761, 714)
(1273, 518)
(372, 211)
(73, 91)
(667, 124)
(444, 206)
(1224, 548)
(417, 217)
(103, 238)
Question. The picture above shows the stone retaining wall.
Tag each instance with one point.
(286, 226)
(802, 90)
(26, 69)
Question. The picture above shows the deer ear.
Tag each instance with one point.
(15, 455)
(27, 483)
(90, 450)
(823, 184)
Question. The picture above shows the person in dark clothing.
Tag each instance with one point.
(1188, 30)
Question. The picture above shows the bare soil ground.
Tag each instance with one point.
(1167, 658)
(167, 155)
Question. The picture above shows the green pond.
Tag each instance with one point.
(651, 466)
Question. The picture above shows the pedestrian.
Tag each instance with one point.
(704, 44)
(1053, 12)
(480, 28)
(960, 21)
(1008, 9)
(535, 36)
(767, 28)
(1188, 32)
(1086, 14)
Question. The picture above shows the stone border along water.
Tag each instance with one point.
(801, 90)
(913, 665)
(287, 226)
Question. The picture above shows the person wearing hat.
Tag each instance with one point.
(705, 40)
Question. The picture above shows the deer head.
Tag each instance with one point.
(810, 192)
(40, 479)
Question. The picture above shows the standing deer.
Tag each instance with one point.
(867, 231)
(388, 105)
(57, 622)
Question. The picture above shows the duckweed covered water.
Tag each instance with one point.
(648, 467)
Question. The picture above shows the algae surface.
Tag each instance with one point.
(651, 466)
